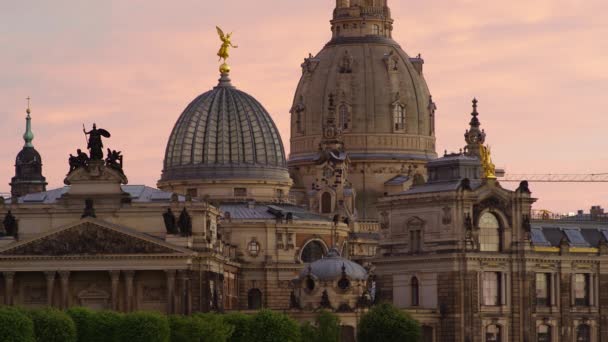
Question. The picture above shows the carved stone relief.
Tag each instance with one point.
(88, 239)
(391, 61)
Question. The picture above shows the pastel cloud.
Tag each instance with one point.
(537, 67)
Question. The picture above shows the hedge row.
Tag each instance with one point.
(382, 323)
(84, 325)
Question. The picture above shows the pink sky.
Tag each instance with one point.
(537, 67)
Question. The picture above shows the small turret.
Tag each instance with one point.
(474, 137)
(28, 165)
(361, 18)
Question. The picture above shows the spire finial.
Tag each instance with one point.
(474, 120)
(475, 113)
(28, 136)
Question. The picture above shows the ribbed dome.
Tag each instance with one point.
(225, 133)
(333, 266)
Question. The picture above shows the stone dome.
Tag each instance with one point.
(224, 134)
(332, 267)
(363, 82)
(376, 94)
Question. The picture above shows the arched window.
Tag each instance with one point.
(326, 203)
(544, 333)
(313, 251)
(489, 235)
(254, 299)
(583, 333)
(344, 117)
(376, 29)
(399, 117)
(493, 333)
(415, 292)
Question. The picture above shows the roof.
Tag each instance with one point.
(333, 266)
(438, 187)
(225, 133)
(397, 180)
(138, 193)
(551, 234)
(260, 211)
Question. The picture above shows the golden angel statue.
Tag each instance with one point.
(226, 44)
(489, 170)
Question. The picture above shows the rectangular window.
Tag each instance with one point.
(240, 192)
(582, 290)
(192, 193)
(492, 288)
(543, 289)
(415, 241)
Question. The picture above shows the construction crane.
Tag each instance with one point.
(556, 178)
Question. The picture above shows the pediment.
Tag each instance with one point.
(90, 238)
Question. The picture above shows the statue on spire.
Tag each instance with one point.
(94, 144)
(489, 170)
(223, 53)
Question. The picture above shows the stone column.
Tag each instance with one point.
(65, 289)
(50, 286)
(181, 291)
(129, 275)
(170, 291)
(9, 278)
(114, 279)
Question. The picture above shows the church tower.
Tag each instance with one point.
(28, 165)
(380, 101)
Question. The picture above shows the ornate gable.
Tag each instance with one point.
(89, 238)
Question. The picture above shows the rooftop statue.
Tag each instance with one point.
(489, 170)
(94, 143)
(81, 159)
(224, 49)
(10, 224)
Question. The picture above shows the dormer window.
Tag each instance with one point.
(399, 117)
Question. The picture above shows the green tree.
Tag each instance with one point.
(309, 332)
(52, 325)
(15, 325)
(241, 324)
(387, 323)
(326, 328)
(269, 326)
(144, 327)
(213, 328)
(83, 318)
(329, 328)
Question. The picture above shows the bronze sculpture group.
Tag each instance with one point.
(95, 146)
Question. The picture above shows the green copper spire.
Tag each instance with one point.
(28, 136)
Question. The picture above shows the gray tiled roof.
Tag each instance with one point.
(551, 234)
(259, 211)
(138, 193)
(397, 180)
(331, 268)
(438, 187)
